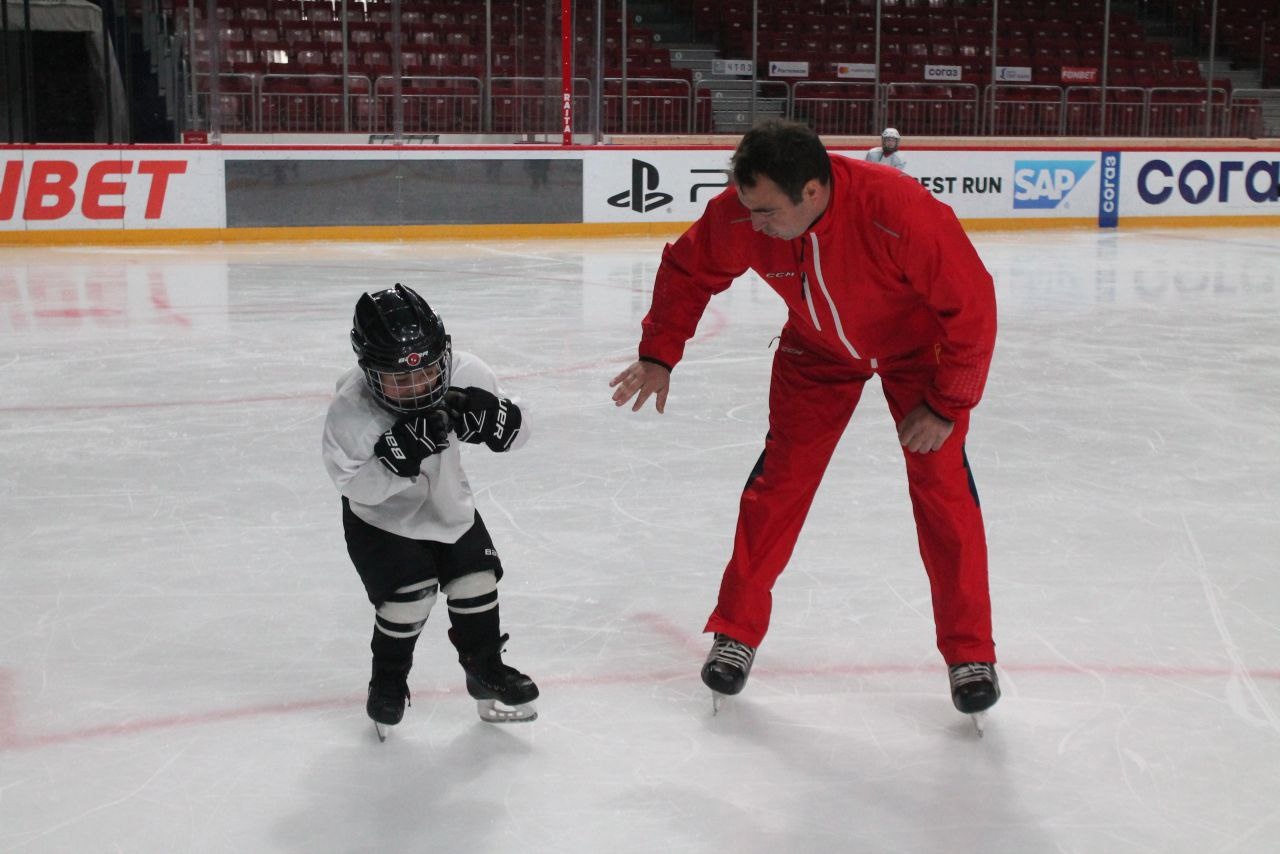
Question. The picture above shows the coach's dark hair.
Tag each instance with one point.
(787, 153)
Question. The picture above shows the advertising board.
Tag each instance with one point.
(605, 189)
(1201, 183)
(110, 188)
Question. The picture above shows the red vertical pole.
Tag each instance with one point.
(566, 70)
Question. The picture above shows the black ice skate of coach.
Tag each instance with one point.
(726, 669)
(974, 689)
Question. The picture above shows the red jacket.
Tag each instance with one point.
(885, 272)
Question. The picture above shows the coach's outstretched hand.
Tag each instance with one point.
(641, 380)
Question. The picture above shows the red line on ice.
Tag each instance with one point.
(691, 646)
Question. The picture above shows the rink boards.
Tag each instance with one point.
(117, 194)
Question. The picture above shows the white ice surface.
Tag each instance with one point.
(183, 642)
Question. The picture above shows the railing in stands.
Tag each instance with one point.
(1156, 93)
(835, 107)
(717, 109)
(647, 105)
(531, 105)
(316, 103)
(1085, 113)
(1023, 109)
(430, 104)
(931, 109)
(1186, 112)
(301, 103)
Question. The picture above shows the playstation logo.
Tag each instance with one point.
(642, 197)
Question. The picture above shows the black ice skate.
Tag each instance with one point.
(502, 693)
(974, 689)
(726, 669)
(388, 693)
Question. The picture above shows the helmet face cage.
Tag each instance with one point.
(890, 139)
(401, 345)
(413, 389)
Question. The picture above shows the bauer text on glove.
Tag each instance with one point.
(481, 416)
(411, 440)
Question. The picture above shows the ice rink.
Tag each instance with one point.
(184, 644)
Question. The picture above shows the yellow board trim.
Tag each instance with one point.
(1261, 221)
(1028, 224)
(172, 236)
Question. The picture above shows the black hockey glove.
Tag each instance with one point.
(411, 440)
(480, 416)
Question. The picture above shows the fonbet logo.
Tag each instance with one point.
(1044, 184)
(643, 196)
(53, 189)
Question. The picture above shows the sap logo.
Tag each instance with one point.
(1044, 184)
(1198, 179)
(643, 196)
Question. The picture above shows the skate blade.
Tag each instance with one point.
(979, 722)
(381, 730)
(717, 700)
(491, 711)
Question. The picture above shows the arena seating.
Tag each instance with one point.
(1043, 36)
(271, 47)
(279, 65)
(1248, 32)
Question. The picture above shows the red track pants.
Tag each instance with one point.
(811, 398)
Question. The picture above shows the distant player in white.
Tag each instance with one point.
(408, 512)
(887, 152)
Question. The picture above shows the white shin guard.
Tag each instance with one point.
(473, 593)
(406, 610)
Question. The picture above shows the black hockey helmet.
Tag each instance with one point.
(402, 346)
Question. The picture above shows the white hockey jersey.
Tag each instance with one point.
(436, 505)
(896, 160)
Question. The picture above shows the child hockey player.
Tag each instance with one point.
(887, 151)
(408, 512)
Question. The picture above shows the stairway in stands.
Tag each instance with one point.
(723, 103)
(1166, 26)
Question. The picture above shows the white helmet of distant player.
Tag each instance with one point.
(890, 139)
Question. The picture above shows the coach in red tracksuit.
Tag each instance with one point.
(878, 278)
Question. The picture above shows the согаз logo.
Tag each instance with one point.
(1044, 184)
(642, 197)
(1198, 179)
